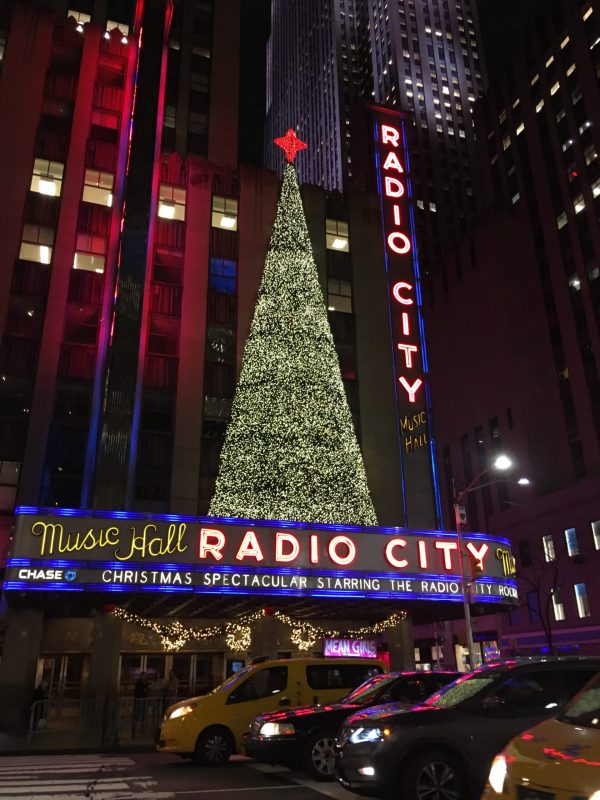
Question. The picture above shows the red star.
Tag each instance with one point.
(290, 144)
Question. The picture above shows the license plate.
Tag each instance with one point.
(525, 793)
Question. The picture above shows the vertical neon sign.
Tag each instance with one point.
(420, 487)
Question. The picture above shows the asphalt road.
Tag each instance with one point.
(152, 776)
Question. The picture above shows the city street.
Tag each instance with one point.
(152, 776)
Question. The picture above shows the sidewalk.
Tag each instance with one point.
(67, 743)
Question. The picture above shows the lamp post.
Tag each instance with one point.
(501, 463)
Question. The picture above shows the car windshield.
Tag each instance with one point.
(584, 710)
(231, 681)
(369, 690)
(455, 693)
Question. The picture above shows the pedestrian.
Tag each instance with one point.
(39, 704)
(141, 690)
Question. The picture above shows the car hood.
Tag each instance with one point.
(387, 713)
(289, 715)
(556, 755)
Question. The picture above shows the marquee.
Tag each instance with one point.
(82, 551)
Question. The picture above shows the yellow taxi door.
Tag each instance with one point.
(265, 689)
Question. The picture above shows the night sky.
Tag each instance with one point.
(501, 27)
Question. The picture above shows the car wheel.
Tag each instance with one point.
(434, 775)
(318, 756)
(213, 748)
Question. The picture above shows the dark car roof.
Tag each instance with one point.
(390, 710)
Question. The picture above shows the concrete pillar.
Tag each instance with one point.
(22, 648)
(265, 639)
(104, 659)
(402, 647)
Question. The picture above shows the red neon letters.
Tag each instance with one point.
(399, 243)
(327, 551)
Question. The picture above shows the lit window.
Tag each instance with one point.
(581, 598)
(587, 13)
(550, 60)
(596, 187)
(339, 296)
(171, 202)
(571, 70)
(506, 143)
(36, 244)
(222, 276)
(521, 128)
(590, 154)
(575, 282)
(596, 533)
(579, 204)
(535, 79)
(224, 213)
(336, 235)
(554, 88)
(549, 552)
(572, 543)
(80, 18)
(539, 107)
(561, 220)
(564, 43)
(90, 253)
(515, 198)
(557, 605)
(47, 177)
(97, 187)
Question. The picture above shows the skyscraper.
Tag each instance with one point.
(421, 57)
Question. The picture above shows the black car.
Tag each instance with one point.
(442, 749)
(304, 737)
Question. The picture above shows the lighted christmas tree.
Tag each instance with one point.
(290, 450)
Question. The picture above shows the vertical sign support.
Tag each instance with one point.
(420, 488)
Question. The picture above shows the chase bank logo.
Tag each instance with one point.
(70, 575)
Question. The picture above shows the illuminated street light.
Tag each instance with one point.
(501, 463)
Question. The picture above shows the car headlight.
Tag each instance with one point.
(595, 796)
(276, 729)
(364, 735)
(182, 711)
(498, 774)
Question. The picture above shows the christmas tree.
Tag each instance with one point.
(290, 450)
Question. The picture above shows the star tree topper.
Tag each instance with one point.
(291, 145)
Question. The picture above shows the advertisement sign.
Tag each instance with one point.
(351, 648)
(71, 550)
(392, 171)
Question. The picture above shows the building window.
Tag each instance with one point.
(581, 598)
(525, 553)
(90, 253)
(572, 543)
(549, 552)
(224, 213)
(47, 177)
(171, 202)
(336, 234)
(222, 276)
(339, 295)
(533, 606)
(557, 605)
(596, 533)
(36, 244)
(97, 187)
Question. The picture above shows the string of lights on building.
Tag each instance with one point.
(238, 634)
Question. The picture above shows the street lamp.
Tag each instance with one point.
(501, 463)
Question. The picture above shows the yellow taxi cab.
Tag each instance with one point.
(557, 760)
(209, 728)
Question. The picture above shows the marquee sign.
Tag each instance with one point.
(392, 168)
(70, 550)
